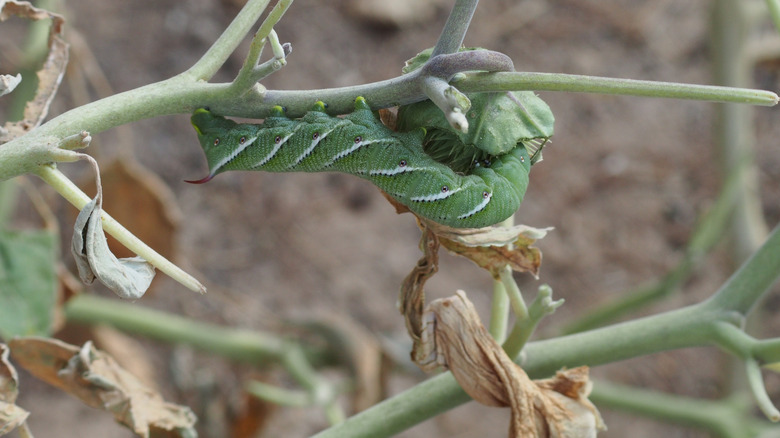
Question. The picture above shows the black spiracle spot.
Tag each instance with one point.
(315, 136)
(358, 139)
(278, 139)
(216, 141)
(485, 195)
(242, 140)
(445, 189)
(402, 163)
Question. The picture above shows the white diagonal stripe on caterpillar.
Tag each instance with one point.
(235, 153)
(481, 206)
(443, 194)
(276, 148)
(315, 142)
(353, 148)
(394, 171)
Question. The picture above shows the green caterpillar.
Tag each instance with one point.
(359, 144)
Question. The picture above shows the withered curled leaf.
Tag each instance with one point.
(552, 408)
(8, 83)
(11, 415)
(128, 277)
(493, 248)
(411, 300)
(99, 381)
(49, 76)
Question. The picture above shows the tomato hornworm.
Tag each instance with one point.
(487, 192)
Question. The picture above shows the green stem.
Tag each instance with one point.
(455, 28)
(499, 312)
(752, 280)
(513, 292)
(218, 53)
(732, 66)
(394, 415)
(725, 418)
(241, 345)
(541, 306)
(756, 383)
(509, 81)
(279, 396)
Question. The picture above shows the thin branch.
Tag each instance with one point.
(208, 65)
(455, 28)
(516, 81)
(756, 383)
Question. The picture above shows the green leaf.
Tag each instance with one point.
(28, 282)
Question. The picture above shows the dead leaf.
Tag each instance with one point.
(128, 277)
(493, 248)
(8, 83)
(9, 379)
(411, 300)
(97, 380)
(252, 417)
(50, 74)
(11, 415)
(143, 203)
(128, 351)
(551, 408)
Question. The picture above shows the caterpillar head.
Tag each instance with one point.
(220, 140)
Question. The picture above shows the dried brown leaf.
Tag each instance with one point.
(8, 83)
(9, 379)
(96, 379)
(411, 300)
(11, 415)
(552, 408)
(493, 248)
(50, 74)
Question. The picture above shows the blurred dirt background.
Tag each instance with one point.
(622, 183)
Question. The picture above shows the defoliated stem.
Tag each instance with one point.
(756, 383)
(516, 81)
(499, 312)
(513, 291)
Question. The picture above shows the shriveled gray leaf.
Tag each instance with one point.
(8, 83)
(79, 243)
(9, 379)
(128, 277)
